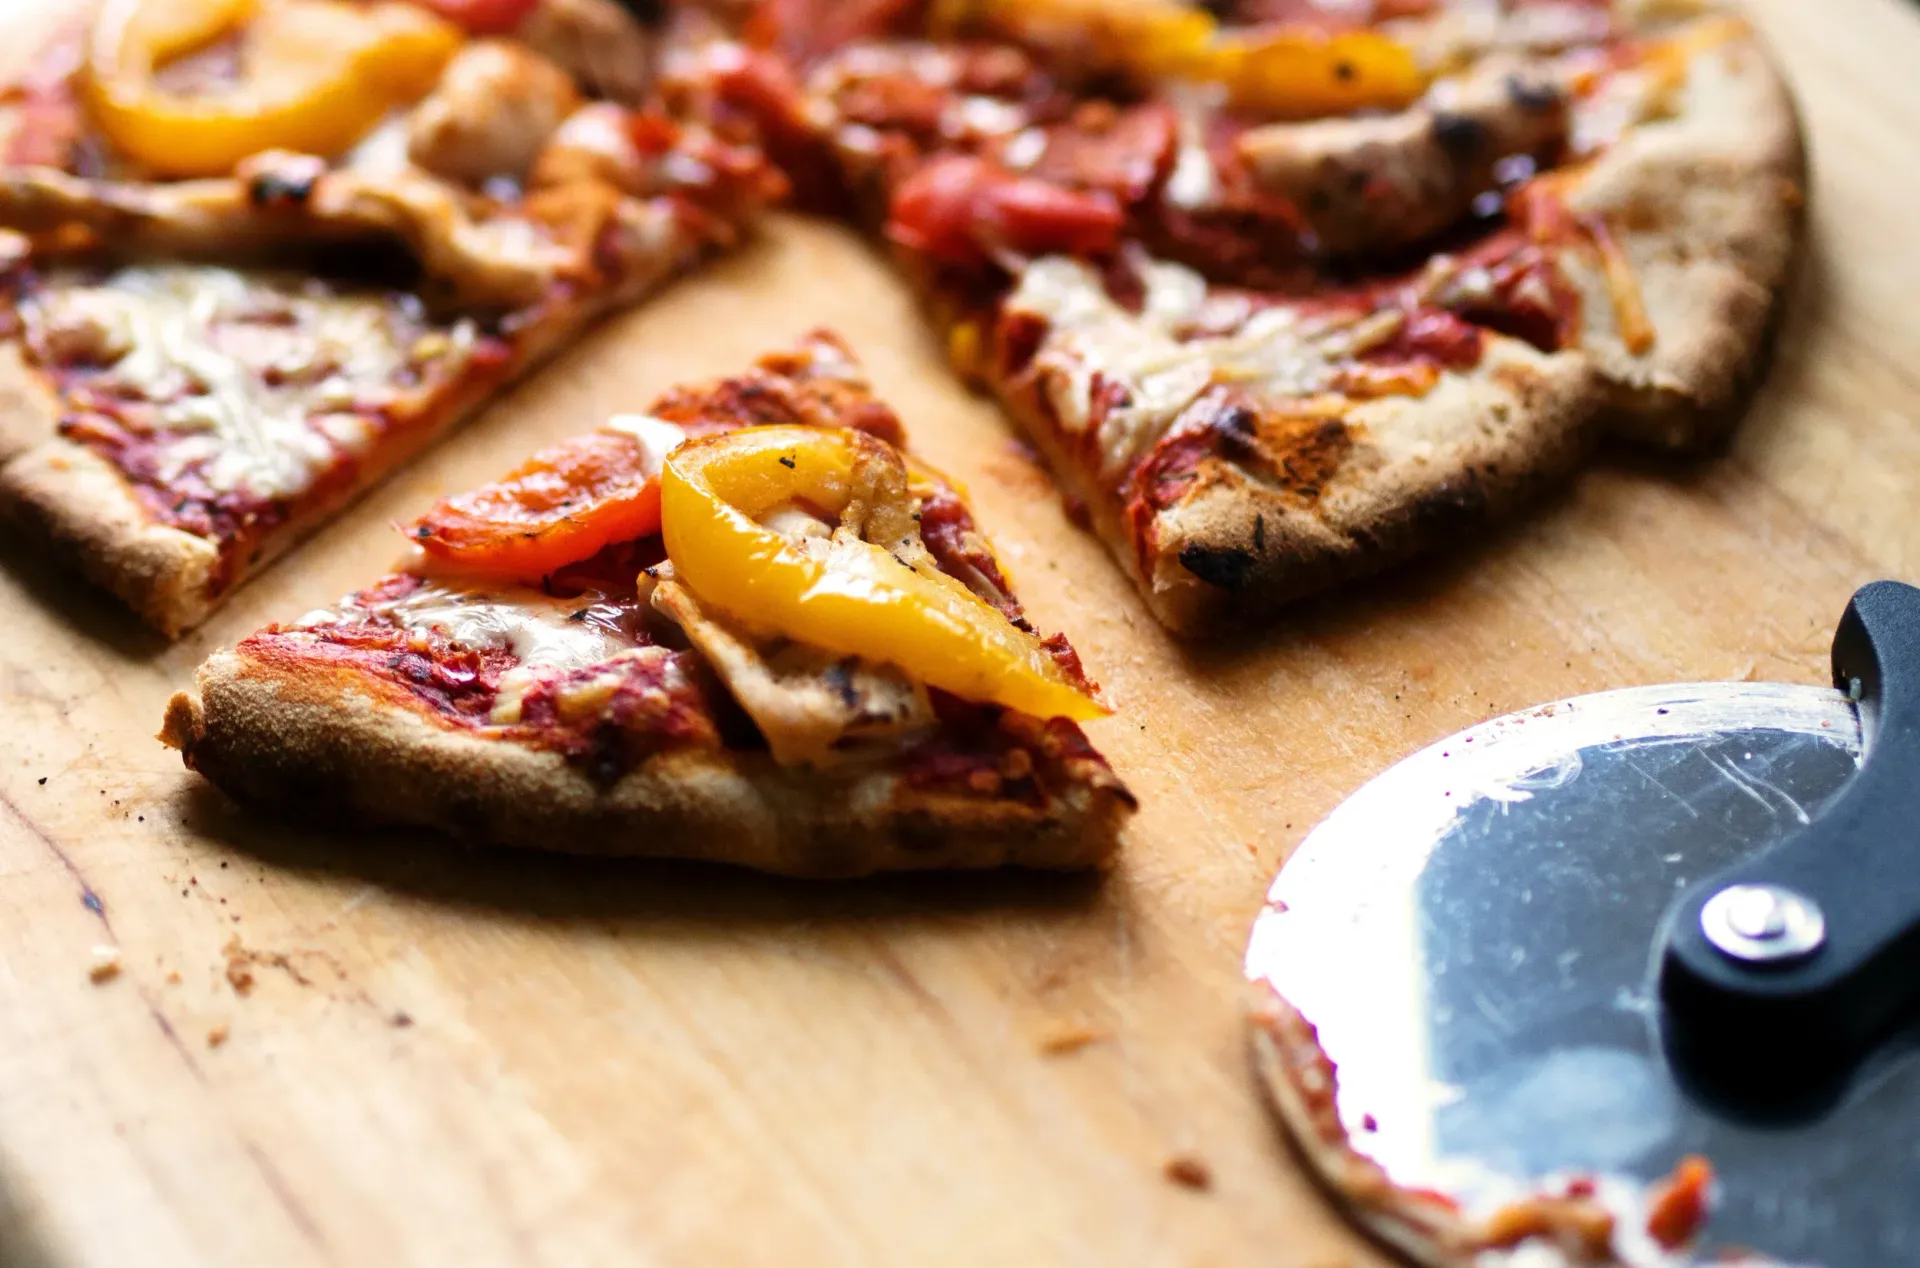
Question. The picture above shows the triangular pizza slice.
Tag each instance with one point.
(743, 626)
(232, 297)
(1287, 294)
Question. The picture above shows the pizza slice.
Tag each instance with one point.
(254, 257)
(1423, 254)
(741, 627)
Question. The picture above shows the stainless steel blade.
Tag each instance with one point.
(1472, 935)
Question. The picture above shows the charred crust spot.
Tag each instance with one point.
(649, 13)
(1461, 136)
(839, 676)
(1459, 500)
(1343, 71)
(1305, 452)
(606, 761)
(1260, 534)
(1234, 427)
(1223, 566)
(285, 187)
(1532, 95)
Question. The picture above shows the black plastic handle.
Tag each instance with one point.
(1858, 862)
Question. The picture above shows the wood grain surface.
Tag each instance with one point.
(369, 1049)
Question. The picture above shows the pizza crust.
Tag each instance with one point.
(29, 410)
(1298, 1083)
(1402, 475)
(1420, 471)
(315, 738)
(1707, 206)
(81, 504)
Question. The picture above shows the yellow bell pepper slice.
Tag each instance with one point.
(846, 595)
(1279, 72)
(316, 76)
(1296, 74)
(1147, 37)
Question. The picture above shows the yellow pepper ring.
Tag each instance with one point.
(857, 601)
(319, 75)
(1291, 74)
(1279, 71)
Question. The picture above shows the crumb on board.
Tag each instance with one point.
(401, 1020)
(1189, 1171)
(242, 961)
(103, 965)
(173, 977)
(217, 1034)
(1068, 1037)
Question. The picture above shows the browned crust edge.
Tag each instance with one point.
(1278, 1038)
(314, 740)
(80, 504)
(1422, 471)
(1708, 207)
(29, 410)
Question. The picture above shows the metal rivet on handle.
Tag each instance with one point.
(1762, 924)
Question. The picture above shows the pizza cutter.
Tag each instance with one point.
(1560, 952)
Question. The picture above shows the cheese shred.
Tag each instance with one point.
(1629, 307)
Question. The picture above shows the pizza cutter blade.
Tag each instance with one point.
(1558, 953)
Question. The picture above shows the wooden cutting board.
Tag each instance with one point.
(368, 1049)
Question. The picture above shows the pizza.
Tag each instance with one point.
(1286, 291)
(254, 256)
(1596, 1221)
(743, 626)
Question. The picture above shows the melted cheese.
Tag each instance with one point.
(539, 630)
(657, 438)
(262, 381)
(1160, 361)
(1194, 183)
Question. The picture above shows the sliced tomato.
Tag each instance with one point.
(564, 504)
(1126, 153)
(801, 29)
(483, 17)
(959, 209)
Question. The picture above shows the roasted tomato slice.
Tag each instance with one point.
(801, 29)
(562, 505)
(960, 210)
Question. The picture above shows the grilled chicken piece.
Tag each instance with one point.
(813, 707)
(1368, 184)
(278, 199)
(594, 143)
(598, 42)
(493, 110)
